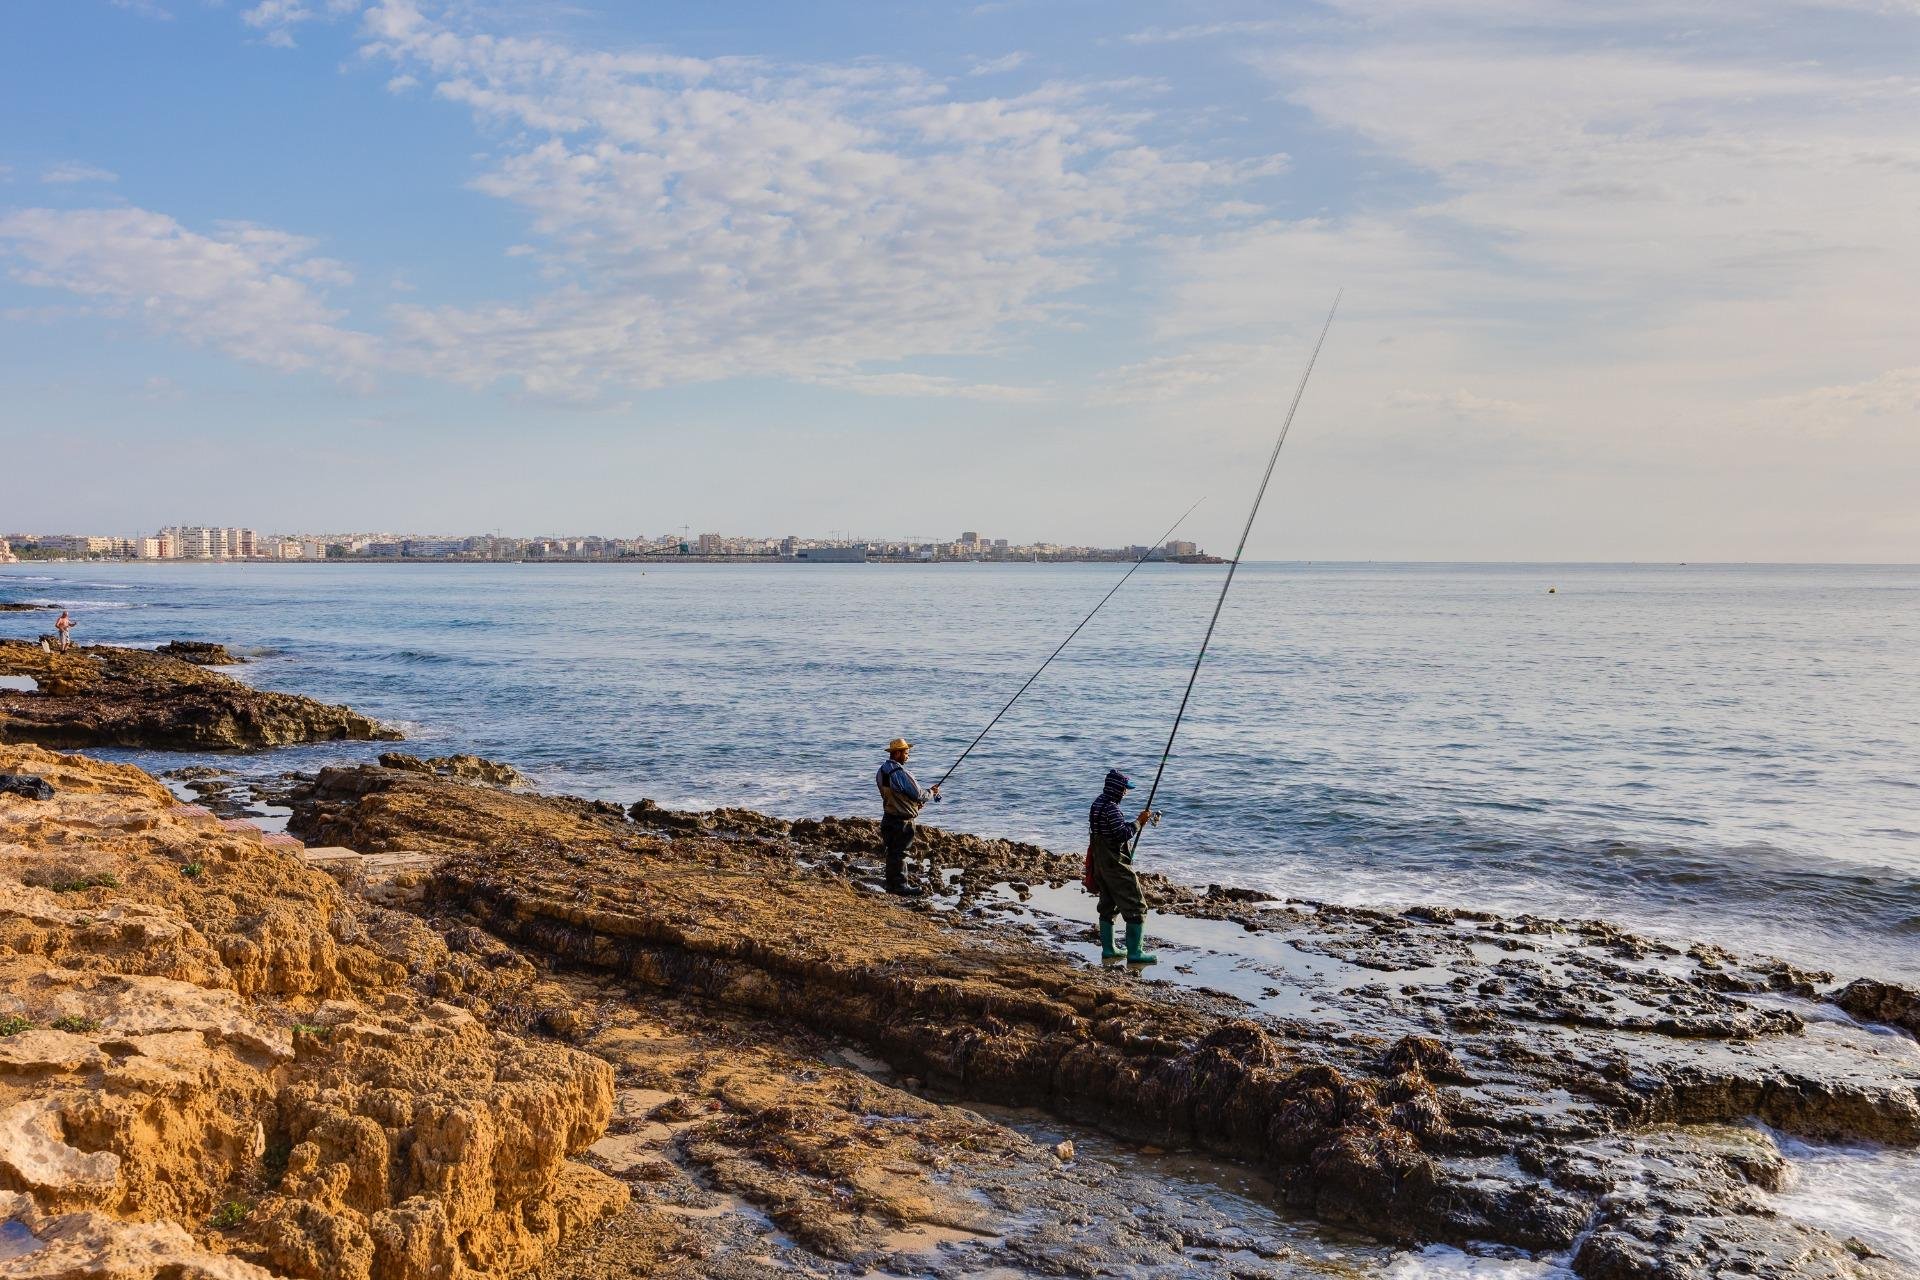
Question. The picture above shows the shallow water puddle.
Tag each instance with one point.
(1262, 969)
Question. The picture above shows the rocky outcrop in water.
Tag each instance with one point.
(1883, 1002)
(200, 653)
(1424, 1075)
(215, 1064)
(110, 697)
(466, 768)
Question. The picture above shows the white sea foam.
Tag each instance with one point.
(1868, 1192)
(1443, 1262)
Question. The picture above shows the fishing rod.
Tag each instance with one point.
(1234, 564)
(1069, 640)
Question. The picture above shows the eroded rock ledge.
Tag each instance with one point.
(103, 696)
(1445, 1076)
(215, 1064)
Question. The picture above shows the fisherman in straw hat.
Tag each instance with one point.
(901, 799)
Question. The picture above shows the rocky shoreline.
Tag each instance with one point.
(468, 1030)
(104, 696)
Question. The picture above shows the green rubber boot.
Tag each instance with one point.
(1135, 930)
(1107, 950)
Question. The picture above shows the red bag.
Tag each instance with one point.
(1086, 874)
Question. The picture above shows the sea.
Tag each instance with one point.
(1719, 753)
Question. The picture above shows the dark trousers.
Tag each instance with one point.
(1119, 887)
(896, 835)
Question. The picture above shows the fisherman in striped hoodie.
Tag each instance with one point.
(1110, 853)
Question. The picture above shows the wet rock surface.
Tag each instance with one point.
(26, 786)
(1422, 1076)
(467, 768)
(199, 652)
(103, 696)
(1884, 1002)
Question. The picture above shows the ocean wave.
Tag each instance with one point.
(82, 606)
(417, 657)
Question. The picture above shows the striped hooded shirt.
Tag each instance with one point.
(1104, 819)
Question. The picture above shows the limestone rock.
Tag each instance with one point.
(200, 653)
(204, 1021)
(67, 1246)
(102, 696)
(467, 768)
(1887, 1002)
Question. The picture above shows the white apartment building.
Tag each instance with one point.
(204, 542)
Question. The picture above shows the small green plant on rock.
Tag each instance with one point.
(72, 873)
(193, 869)
(13, 1024)
(76, 1024)
(230, 1215)
(313, 1029)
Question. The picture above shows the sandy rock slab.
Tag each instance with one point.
(35, 1245)
(213, 1062)
(103, 696)
(1433, 1077)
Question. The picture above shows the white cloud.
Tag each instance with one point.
(277, 19)
(145, 9)
(1890, 400)
(1635, 248)
(1210, 373)
(929, 386)
(72, 171)
(708, 218)
(239, 291)
(998, 66)
(1206, 31)
(1461, 403)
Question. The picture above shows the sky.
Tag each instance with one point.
(1632, 281)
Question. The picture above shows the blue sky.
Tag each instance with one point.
(1632, 281)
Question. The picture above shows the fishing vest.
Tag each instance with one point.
(894, 802)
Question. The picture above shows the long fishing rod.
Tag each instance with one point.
(1069, 640)
(1234, 564)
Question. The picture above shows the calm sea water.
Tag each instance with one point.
(1724, 753)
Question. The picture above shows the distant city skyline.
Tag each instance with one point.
(1631, 281)
(230, 542)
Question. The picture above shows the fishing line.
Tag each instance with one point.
(1234, 564)
(1070, 635)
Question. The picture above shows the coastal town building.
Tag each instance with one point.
(233, 543)
(206, 542)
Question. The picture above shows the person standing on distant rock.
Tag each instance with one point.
(64, 625)
(901, 799)
(1110, 854)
